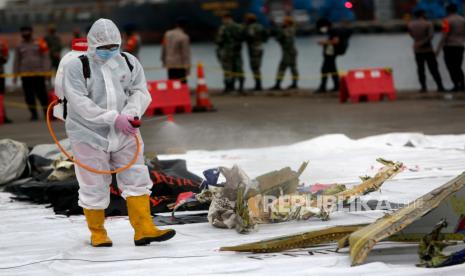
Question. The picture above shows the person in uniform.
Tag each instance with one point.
(54, 46)
(255, 35)
(176, 52)
(452, 43)
(422, 31)
(285, 35)
(32, 57)
(229, 51)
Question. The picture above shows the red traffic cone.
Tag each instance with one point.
(203, 99)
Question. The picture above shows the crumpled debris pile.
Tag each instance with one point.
(277, 196)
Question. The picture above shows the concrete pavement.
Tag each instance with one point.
(260, 121)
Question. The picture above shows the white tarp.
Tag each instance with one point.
(32, 233)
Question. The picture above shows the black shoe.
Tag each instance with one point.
(422, 91)
(441, 89)
(320, 91)
(292, 87)
(258, 85)
(276, 87)
(7, 120)
(34, 118)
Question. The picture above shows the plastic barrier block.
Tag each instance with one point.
(168, 97)
(370, 85)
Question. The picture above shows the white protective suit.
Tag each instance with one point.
(93, 106)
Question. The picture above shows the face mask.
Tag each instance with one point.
(324, 30)
(105, 54)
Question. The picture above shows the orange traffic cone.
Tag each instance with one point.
(203, 100)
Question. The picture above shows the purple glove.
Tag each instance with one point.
(122, 124)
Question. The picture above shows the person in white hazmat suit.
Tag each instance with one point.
(100, 109)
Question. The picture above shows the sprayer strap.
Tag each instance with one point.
(85, 66)
(131, 67)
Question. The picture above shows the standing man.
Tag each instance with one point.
(422, 32)
(229, 50)
(3, 60)
(453, 44)
(54, 46)
(285, 35)
(102, 103)
(176, 52)
(133, 42)
(32, 57)
(335, 45)
(255, 34)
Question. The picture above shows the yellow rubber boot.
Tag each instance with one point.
(95, 220)
(145, 231)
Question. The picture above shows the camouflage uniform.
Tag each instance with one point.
(229, 52)
(55, 47)
(255, 34)
(286, 38)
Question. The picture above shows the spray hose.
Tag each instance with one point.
(75, 161)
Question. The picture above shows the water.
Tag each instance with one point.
(366, 50)
(376, 50)
(166, 131)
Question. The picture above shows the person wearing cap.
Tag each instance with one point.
(54, 46)
(452, 43)
(32, 63)
(285, 35)
(255, 35)
(176, 52)
(422, 31)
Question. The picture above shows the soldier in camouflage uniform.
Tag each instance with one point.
(229, 42)
(285, 35)
(255, 34)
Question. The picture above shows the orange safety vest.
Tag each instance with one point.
(132, 43)
(445, 26)
(43, 47)
(4, 48)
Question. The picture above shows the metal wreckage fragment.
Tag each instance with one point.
(302, 240)
(321, 236)
(411, 223)
(416, 219)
